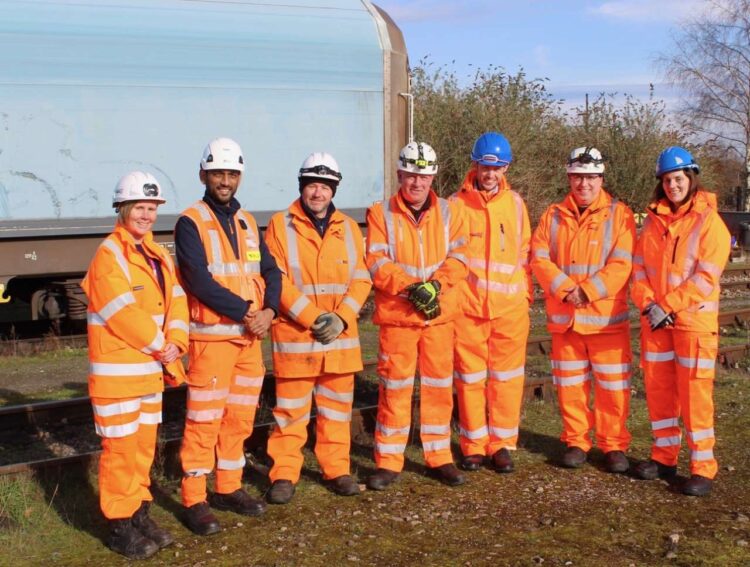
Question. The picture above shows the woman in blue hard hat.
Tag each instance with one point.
(678, 261)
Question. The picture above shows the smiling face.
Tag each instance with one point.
(317, 196)
(138, 218)
(414, 188)
(585, 187)
(676, 185)
(221, 184)
(489, 177)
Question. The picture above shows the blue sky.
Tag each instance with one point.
(580, 46)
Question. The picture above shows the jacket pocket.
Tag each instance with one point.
(708, 347)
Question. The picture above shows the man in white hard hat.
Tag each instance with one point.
(316, 342)
(233, 286)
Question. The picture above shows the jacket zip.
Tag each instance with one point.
(421, 255)
(674, 250)
(502, 238)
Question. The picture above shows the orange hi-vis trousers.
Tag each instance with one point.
(224, 382)
(679, 370)
(606, 359)
(494, 347)
(128, 428)
(334, 395)
(401, 349)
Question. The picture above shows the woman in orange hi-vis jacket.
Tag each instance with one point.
(581, 256)
(316, 351)
(491, 347)
(416, 255)
(680, 254)
(137, 328)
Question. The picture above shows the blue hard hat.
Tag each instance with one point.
(673, 159)
(492, 148)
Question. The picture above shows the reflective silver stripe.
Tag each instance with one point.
(709, 267)
(377, 247)
(197, 472)
(216, 265)
(196, 395)
(156, 345)
(665, 423)
(116, 431)
(675, 280)
(158, 319)
(248, 381)
(178, 324)
(570, 364)
(203, 211)
(121, 261)
(614, 385)
(602, 320)
(396, 383)
(706, 455)
(227, 465)
(651, 356)
(361, 275)
(124, 369)
(701, 434)
(436, 429)
(284, 422)
(224, 269)
(621, 254)
(151, 398)
(437, 445)
(352, 304)
(437, 382)
(704, 307)
(671, 441)
(505, 375)
(417, 272)
(559, 319)
(483, 283)
(94, 319)
(334, 415)
(390, 448)
(460, 257)
(219, 329)
(445, 212)
(346, 397)
(611, 368)
(150, 417)
(116, 304)
(475, 433)
(324, 289)
(177, 291)
(703, 286)
(251, 267)
(117, 408)
(576, 269)
(204, 416)
(542, 253)
(351, 250)
(599, 285)
(503, 432)
(564, 381)
(554, 227)
(390, 230)
(500, 268)
(702, 363)
(246, 400)
(607, 243)
(379, 264)
(306, 348)
(293, 403)
(559, 280)
(299, 306)
(471, 377)
(389, 431)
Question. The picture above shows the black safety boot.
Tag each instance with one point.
(472, 462)
(239, 502)
(148, 528)
(343, 485)
(574, 458)
(382, 479)
(124, 538)
(281, 492)
(651, 470)
(616, 462)
(200, 520)
(502, 461)
(697, 485)
(447, 474)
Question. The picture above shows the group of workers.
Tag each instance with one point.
(452, 282)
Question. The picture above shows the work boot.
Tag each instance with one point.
(200, 520)
(343, 485)
(697, 485)
(124, 538)
(447, 474)
(502, 461)
(651, 470)
(472, 462)
(239, 502)
(616, 462)
(573, 458)
(382, 479)
(148, 528)
(281, 492)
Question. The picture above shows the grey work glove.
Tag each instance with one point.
(327, 327)
(657, 317)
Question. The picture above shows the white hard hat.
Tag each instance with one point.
(137, 186)
(418, 157)
(222, 153)
(320, 165)
(586, 159)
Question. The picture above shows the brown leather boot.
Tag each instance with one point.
(382, 479)
(502, 461)
(447, 474)
(200, 520)
(239, 502)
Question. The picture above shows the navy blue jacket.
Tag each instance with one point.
(193, 264)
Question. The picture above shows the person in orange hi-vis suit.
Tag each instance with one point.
(233, 286)
(325, 282)
(416, 245)
(495, 320)
(137, 331)
(681, 252)
(582, 257)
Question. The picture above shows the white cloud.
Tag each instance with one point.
(650, 11)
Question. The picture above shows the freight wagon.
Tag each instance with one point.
(91, 89)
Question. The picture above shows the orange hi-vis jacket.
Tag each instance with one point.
(592, 250)
(679, 259)
(242, 277)
(130, 319)
(499, 278)
(401, 252)
(319, 275)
